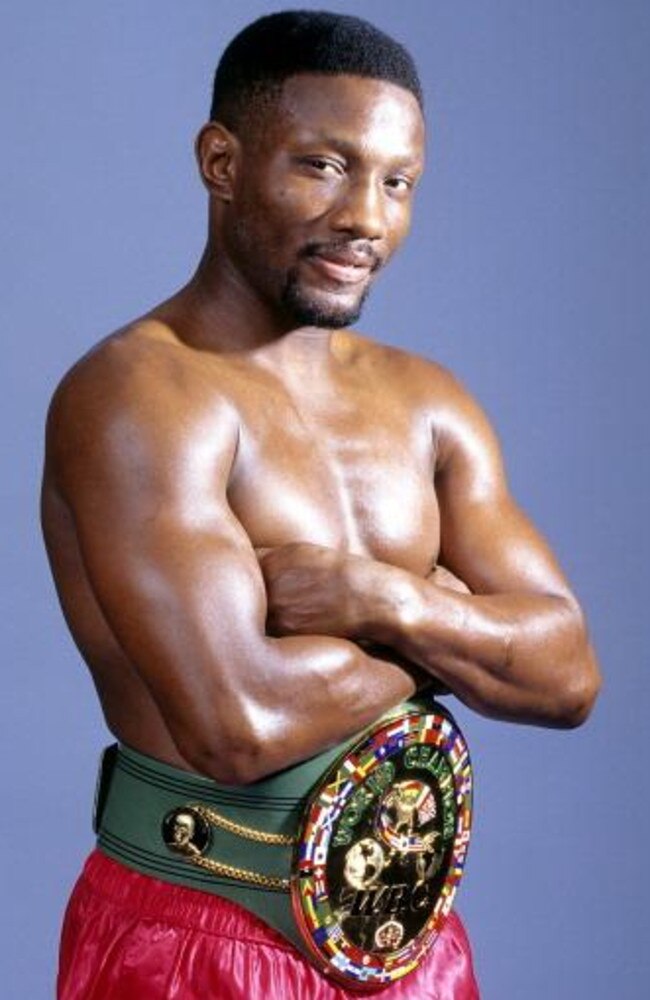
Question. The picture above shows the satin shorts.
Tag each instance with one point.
(128, 936)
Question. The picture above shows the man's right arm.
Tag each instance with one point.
(143, 461)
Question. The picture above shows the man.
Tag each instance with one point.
(268, 531)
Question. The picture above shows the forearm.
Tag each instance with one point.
(306, 694)
(521, 656)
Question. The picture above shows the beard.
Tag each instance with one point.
(308, 309)
(286, 292)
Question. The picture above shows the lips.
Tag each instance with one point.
(345, 265)
(347, 274)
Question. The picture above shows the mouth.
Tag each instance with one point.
(343, 265)
(344, 274)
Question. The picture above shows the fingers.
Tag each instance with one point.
(443, 577)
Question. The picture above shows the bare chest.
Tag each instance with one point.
(352, 472)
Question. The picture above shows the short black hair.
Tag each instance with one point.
(267, 52)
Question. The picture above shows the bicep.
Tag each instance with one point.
(486, 539)
(185, 602)
(170, 566)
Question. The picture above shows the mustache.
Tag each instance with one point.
(360, 252)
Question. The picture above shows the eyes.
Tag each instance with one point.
(329, 167)
(323, 165)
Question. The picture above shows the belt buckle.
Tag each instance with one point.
(381, 848)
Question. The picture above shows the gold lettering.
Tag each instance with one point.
(385, 900)
(360, 799)
(342, 837)
(381, 778)
(420, 897)
(428, 759)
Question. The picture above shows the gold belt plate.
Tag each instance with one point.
(382, 847)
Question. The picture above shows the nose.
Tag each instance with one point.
(359, 210)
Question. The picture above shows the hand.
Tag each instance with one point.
(425, 682)
(445, 578)
(309, 590)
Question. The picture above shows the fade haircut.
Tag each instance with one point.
(267, 52)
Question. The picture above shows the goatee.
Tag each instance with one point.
(306, 310)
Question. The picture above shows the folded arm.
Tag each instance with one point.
(513, 646)
(145, 476)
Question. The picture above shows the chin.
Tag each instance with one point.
(308, 308)
(326, 317)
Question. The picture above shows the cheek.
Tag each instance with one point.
(261, 226)
(283, 219)
(399, 223)
(274, 206)
(298, 200)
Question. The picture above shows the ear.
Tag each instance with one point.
(217, 153)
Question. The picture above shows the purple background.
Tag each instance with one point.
(527, 273)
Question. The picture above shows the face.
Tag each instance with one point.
(183, 829)
(322, 195)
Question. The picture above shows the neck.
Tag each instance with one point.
(217, 311)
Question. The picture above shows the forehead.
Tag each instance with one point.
(351, 109)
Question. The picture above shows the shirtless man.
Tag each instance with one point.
(258, 520)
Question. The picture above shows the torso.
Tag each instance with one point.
(345, 459)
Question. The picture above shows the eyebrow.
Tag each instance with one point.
(351, 150)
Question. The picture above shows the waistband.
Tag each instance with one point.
(159, 901)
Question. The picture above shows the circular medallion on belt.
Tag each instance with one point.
(185, 831)
(382, 847)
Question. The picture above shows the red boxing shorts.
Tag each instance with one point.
(128, 936)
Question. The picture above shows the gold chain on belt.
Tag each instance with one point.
(193, 851)
(273, 882)
(248, 832)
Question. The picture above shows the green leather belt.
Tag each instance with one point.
(354, 856)
(189, 830)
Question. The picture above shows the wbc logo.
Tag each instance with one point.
(382, 848)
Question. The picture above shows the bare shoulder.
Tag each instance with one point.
(137, 388)
(143, 354)
(424, 381)
(460, 429)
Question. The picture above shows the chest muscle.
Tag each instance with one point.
(352, 477)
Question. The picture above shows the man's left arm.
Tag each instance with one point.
(514, 647)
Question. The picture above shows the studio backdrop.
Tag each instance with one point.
(526, 273)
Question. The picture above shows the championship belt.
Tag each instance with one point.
(359, 873)
(381, 848)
